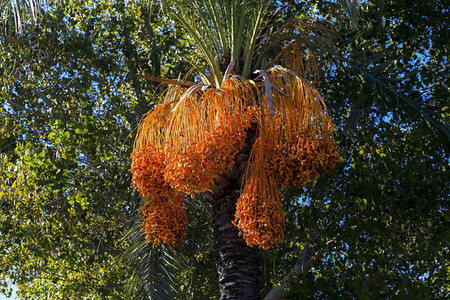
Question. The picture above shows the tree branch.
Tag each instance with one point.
(302, 266)
(355, 115)
(19, 106)
(36, 90)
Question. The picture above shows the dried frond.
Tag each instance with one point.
(182, 83)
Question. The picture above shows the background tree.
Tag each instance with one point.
(357, 226)
(70, 98)
(374, 227)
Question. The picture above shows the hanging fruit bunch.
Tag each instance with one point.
(299, 137)
(259, 213)
(194, 135)
(189, 142)
(182, 145)
(205, 132)
(164, 218)
(294, 147)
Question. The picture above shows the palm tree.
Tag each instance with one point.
(253, 125)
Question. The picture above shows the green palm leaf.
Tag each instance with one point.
(154, 267)
(373, 72)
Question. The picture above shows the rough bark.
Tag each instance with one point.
(237, 264)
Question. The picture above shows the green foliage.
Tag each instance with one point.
(379, 220)
(71, 99)
(186, 273)
(381, 227)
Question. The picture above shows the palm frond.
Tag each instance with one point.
(296, 45)
(385, 89)
(195, 17)
(353, 10)
(182, 83)
(255, 30)
(223, 31)
(153, 267)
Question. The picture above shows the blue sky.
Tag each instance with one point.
(2, 297)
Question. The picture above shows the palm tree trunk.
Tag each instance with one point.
(237, 264)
